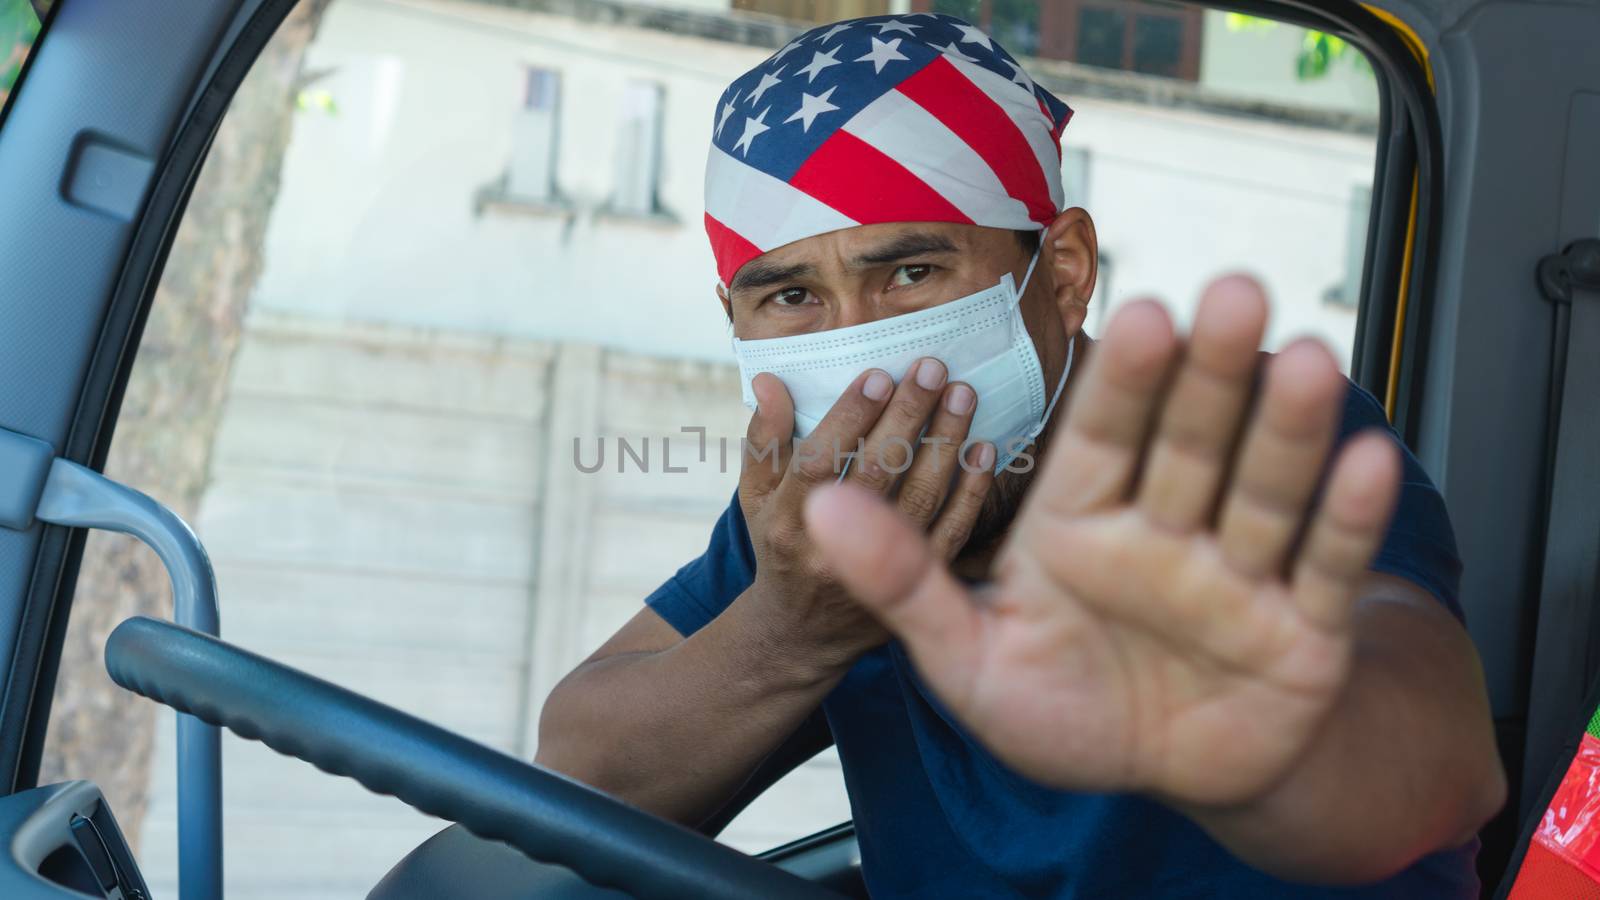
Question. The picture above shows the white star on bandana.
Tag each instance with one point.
(882, 54)
(819, 61)
(752, 127)
(813, 106)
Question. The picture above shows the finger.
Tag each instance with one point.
(1348, 529)
(923, 488)
(1282, 459)
(890, 444)
(1094, 458)
(889, 568)
(822, 455)
(950, 531)
(1193, 444)
(767, 441)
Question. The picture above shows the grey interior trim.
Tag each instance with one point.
(78, 497)
(1481, 433)
(24, 468)
(1568, 631)
(1488, 460)
(106, 178)
(831, 858)
(36, 488)
(38, 827)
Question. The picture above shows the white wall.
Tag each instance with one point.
(374, 499)
(1181, 196)
(375, 220)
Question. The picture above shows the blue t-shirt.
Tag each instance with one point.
(937, 816)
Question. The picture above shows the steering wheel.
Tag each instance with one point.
(549, 817)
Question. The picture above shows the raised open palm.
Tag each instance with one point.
(1171, 612)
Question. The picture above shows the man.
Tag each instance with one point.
(1178, 650)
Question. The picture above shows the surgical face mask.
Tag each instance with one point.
(980, 338)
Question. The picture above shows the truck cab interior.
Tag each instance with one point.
(1478, 326)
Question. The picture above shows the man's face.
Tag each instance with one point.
(867, 273)
(871, 272)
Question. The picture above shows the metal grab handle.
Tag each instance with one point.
(80, 497)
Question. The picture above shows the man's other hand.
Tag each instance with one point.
(1172, 611)
(890, 441)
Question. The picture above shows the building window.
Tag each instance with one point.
(1149, 36)
(533, 137)
(1015, 24)
(1152, 37)
(639, 149)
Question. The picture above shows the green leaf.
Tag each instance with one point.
(1316, 53)
(19, 27)
(316, 99)
(1242, 22)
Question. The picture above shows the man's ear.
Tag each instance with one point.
(727, 305)
(1073, 252)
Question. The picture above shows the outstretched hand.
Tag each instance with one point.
(1172, 610)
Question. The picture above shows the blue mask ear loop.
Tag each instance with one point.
(1026, 276)
(1072, 344)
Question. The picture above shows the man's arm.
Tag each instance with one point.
(1403, 765)
(676, 725)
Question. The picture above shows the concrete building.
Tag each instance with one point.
(487, 246)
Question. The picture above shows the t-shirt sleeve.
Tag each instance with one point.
(701, 590)
(1420, 546)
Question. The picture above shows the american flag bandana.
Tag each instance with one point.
(915, 118)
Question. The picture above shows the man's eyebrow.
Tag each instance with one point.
(758, 274)
(906, 245)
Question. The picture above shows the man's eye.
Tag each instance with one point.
(905, 276)
(790, 297)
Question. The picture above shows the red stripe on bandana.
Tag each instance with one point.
(863, 183)
(979, 122)
(729, 248)
(1059, 127)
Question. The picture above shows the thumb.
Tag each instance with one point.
(774, 408)
(768, 441)
(888, 567)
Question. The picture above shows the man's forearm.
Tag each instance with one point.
(1404, 765)
(677, 731)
